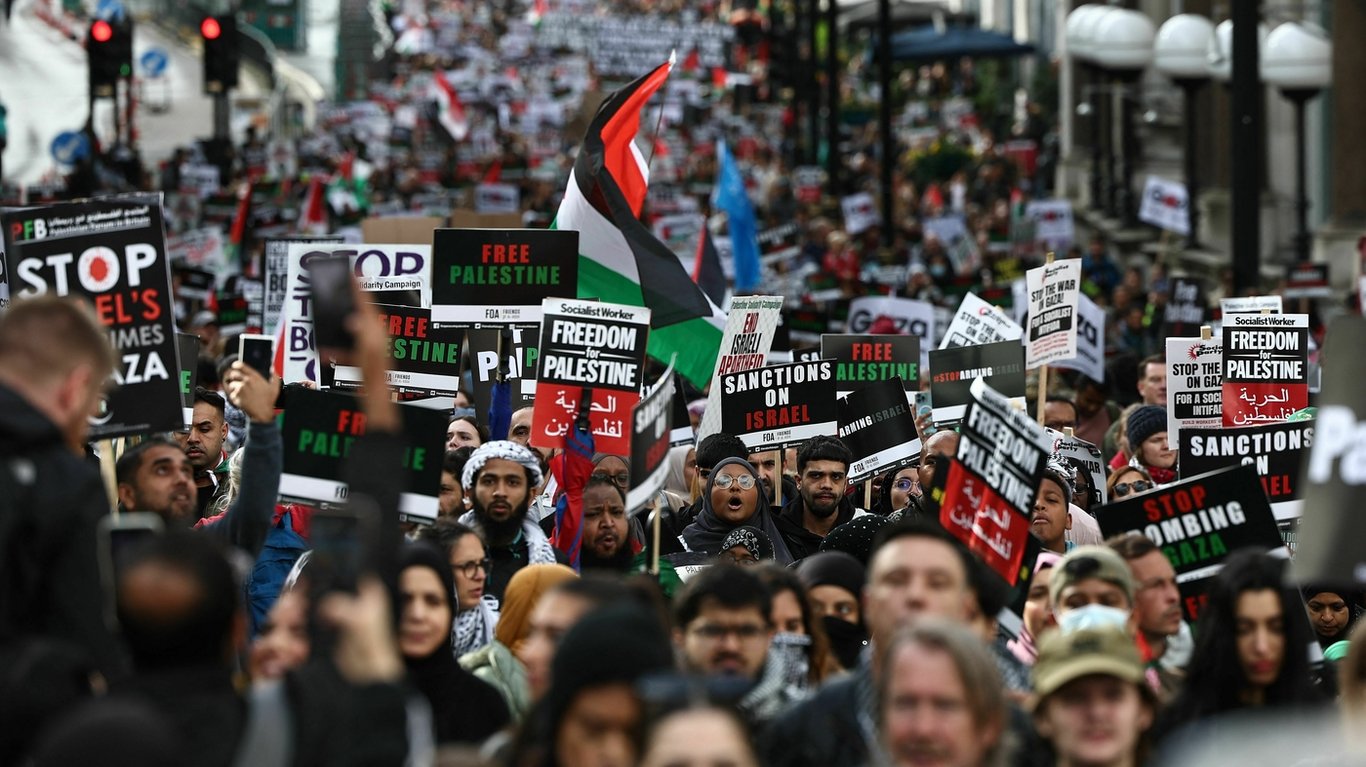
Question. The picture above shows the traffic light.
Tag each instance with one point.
(221, 55)
(109, 50)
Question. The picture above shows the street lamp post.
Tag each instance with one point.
(1080, 31)
(1181, 53)
(1298, 60)
(1124, 46)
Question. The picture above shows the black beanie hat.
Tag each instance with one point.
(612, 644)
(1062, 474)
(1143, 423)
(833, 568)
(855, 537)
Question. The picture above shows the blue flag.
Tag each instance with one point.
(729, 195)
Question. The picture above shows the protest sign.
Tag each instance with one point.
(276, 269)
(500, 276)
(650, 441)
(860, 213)
(1194, 386)
(1333, 526)
(1090, 358)
(864, 359)
(1304, 280)
(591, 358)
(978, 322)
(1165, 205)
(780, 242)
(497, 198)
(423, 360)
(1196, 523)
(1185, 311)
(233, 309)
(904, 315)
(1052, 221)
(1277, 451)
(1265, 363)
(877, 424)
(682, 432)
(394, 274)
(623, 46)
(199, 247)
(750, 328)
(111, 253)
(318, 429)
(990, 488)
(187, 350)
(780, 406)
(1249, 305)
(947, 229)
(953, 370)
(1052, 324)
(1086, 455)
(519, 359)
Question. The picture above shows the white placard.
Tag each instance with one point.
(978, 322)
(1165, 205)
(1051, 329)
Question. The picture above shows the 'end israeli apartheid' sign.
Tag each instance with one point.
(780, 406)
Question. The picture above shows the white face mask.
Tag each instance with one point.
(1093, 616)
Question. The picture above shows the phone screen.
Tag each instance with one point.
(337, 550)
(333, 302)
(257, 352)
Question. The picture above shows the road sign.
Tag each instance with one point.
(153, 62)
(69, 147)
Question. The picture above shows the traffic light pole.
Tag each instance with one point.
(220, 115)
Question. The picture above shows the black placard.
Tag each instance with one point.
(952, 371)
(113, 253)
(878, 425)
(500, 275)
(864, 359)
(1186, 308)
(1277, 451)
(650, 442)
(319, 428)
(424, 360)
(779, 406)
(1196, 523)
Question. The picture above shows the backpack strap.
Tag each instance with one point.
(268, 740)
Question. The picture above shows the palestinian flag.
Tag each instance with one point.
(619, 258)
(449, 111)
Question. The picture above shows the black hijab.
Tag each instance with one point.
(709, 530)
(464, 708)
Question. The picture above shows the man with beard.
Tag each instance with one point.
(499, 478)
(606, 528)
(203, 445)
(157, 476)
(766, 462)
(820, 505)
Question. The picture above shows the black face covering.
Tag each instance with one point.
(847, 640)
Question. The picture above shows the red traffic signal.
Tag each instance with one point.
(210, 28)
(101, 32)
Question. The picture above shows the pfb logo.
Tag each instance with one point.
(35, 229)
(1166, 199)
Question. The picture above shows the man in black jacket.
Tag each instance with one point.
(54, 361)
(820, 505)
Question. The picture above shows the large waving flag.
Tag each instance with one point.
(619, 258)
(729, 195)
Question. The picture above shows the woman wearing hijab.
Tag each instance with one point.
(464, 709)
(1333, 611)
(733, 496)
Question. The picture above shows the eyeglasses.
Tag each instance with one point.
(904, 484)
(1138, 486)
(468, 569)
(621, 479)
(724, 481)
(744, 560)
(716, 632)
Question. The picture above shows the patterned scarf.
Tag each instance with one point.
(474, 627)
(539, 550)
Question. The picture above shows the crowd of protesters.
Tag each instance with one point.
(819, 630)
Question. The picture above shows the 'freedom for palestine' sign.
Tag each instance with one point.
(589, 346)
